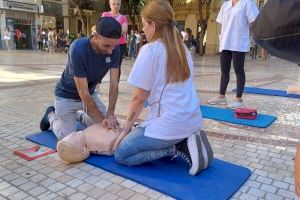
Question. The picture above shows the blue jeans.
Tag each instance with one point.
(136, 149)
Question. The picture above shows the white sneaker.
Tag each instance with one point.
(236, 104)
(217, 101)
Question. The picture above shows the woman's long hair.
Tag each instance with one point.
(161, 13)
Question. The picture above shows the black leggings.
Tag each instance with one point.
(123, 48)
(238, 59)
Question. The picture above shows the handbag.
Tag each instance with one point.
(5, 37)
(245, 113)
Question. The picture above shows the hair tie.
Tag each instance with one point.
(172, 24)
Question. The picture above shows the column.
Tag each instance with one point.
(65, 14)
(212, 36)
(2, 27)
(191, 22)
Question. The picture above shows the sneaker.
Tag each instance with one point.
(191, 152)
(217, 101)
(206, 150)
(45, 124)
(182, 151)
(236, 104)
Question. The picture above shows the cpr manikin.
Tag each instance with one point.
(77, 146)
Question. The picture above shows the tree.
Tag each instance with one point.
(132, 8)
(203, 19)
(79, 7)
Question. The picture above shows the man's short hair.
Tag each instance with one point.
(109, 27)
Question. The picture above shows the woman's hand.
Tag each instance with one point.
(123, 134)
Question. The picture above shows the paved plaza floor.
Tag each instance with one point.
(27, 79)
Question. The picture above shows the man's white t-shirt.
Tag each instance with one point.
(178, 114)
(235, 22)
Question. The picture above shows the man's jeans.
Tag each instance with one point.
(64, 120)
(136, 149)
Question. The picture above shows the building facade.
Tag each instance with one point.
(24, 17)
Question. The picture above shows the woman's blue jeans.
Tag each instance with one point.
(136, 149)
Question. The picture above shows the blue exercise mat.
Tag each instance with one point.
(227, 115)
(220, 181)
(270, 92)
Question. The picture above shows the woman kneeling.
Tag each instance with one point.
(163, 75)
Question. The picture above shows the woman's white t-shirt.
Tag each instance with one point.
(235, 22)
(178, 114)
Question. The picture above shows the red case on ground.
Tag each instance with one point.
(245, 113)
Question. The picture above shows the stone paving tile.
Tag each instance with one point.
(65, 192)
(267, 152)
(77, 196)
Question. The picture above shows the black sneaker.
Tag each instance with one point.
(196, 151)
(182, 151)
(190, 150)
(207, 151)
(45, 124)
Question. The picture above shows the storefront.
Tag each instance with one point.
(20, 19)
(22, 27)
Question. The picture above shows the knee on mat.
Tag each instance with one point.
(120, 157)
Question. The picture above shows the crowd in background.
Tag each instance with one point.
(52, 41)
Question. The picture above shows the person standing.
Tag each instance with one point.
(7, 36)
(235, 16)
(115, 6)
(163, 74)
(89, 60)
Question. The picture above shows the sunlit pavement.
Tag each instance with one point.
(27, 79)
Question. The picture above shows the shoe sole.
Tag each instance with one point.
(214, 103)
(206, 149)
(44, 123)
(235, 107)
(195, 149)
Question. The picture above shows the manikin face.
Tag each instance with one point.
(115, 6)
(106, 45)
(149, 29)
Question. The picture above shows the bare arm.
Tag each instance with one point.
(113, 90)
(136, 106)
(82, 88)
(124, 28)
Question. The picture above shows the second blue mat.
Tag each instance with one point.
(227, 115)
(219, 182)
(270, 92)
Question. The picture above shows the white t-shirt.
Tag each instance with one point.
(235, 22)
(138, 38)
(180, 113)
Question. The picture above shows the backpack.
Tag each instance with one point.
(277, 29)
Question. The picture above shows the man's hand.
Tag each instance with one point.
(110, 122)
